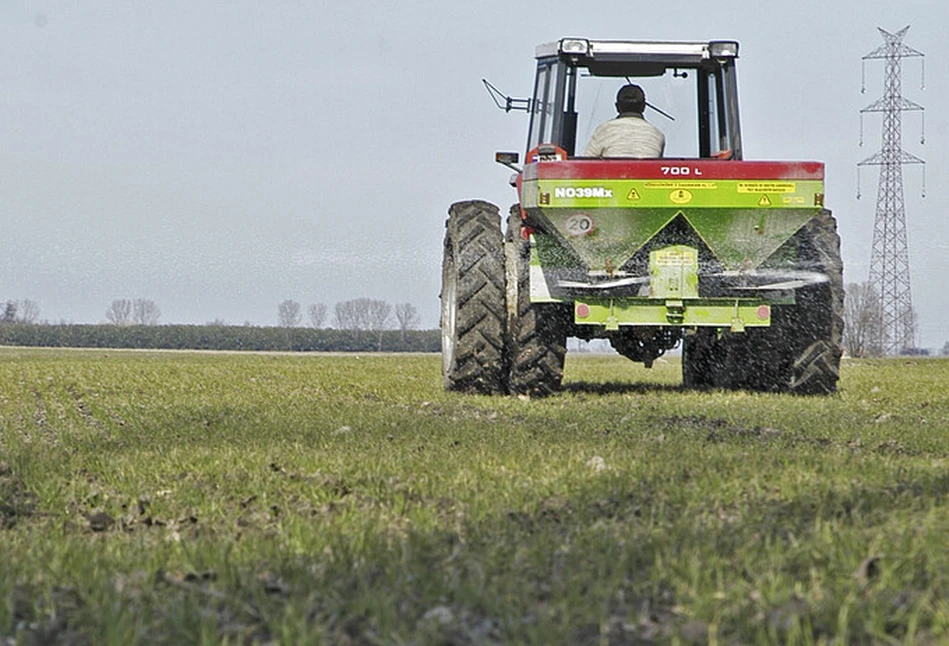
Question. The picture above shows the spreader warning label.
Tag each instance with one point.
(679, 256)
(767, 187)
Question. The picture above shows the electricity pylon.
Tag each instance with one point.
(889, 257)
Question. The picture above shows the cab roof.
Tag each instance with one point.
(611, 57)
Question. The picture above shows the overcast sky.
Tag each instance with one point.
(220, 157)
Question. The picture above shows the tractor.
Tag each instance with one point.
(736, 261)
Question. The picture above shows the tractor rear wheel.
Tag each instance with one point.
(817, 320)
(537, 331)
(473, 307)
(800, 352)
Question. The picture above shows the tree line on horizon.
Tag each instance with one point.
(359, 325)
(358, 316)
(355, 314)
(216, 337)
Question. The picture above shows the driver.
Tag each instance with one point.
(629, 134)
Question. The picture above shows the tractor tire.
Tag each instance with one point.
(473, 306)
(800, 352)
(817, 321)
(537, 339)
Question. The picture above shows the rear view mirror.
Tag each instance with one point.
(508, 159)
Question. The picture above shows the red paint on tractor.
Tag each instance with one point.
(674, 169)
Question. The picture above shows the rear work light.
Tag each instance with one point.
(576, 46)
(723, 49)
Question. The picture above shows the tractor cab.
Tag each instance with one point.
(691, 92)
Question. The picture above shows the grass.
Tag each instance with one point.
(208, 498)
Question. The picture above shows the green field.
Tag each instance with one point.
(208, 498)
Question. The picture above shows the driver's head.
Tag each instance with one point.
(630, 98)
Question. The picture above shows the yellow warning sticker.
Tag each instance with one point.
(680, 196)
(675, 257)
(767, 187)
(764, 201)
(633, 195)
(708, 186)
